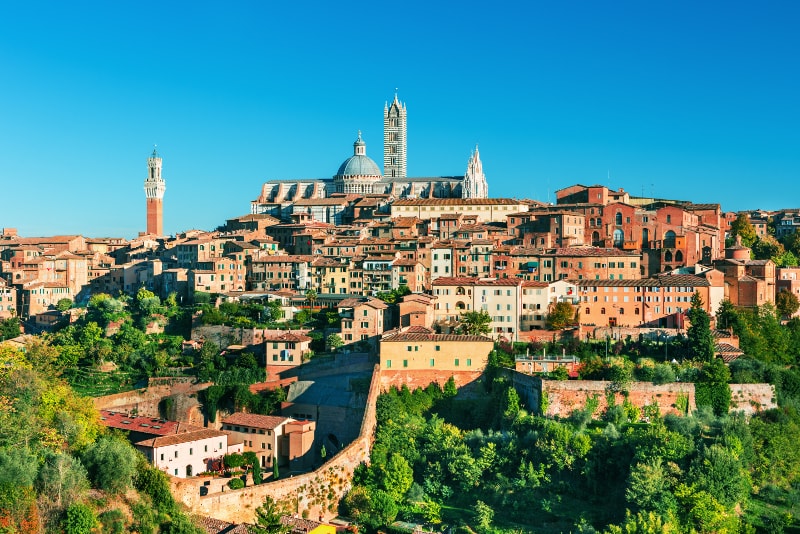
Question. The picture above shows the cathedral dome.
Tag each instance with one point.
(359, 164)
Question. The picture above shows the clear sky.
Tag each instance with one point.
(688, 100)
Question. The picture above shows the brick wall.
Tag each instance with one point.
(421, 379)
(317, 493)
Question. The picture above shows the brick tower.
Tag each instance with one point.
(154, 187)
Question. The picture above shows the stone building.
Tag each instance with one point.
(360, 175)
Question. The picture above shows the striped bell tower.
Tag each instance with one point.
(394, 139)
(154, 187)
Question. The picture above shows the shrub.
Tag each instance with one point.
(80, 519)
(236, 483)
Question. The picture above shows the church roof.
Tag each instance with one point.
(359, 164)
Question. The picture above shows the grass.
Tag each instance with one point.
(91, 383)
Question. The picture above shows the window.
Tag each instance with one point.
(438, 348)
(456, 362)
(432, 362)
(405, 363)
(191, 451)
(388, 364)
(162, 456)
(469, 362)
(176, 454)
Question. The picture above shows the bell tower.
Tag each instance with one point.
(154, 187)
(394, 139)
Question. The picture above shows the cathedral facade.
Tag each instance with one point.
(360, 175)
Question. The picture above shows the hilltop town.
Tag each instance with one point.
(274, 345)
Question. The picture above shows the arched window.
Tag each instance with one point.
(636, 311)
(668, 256)
(669, 239)
(587, 311)
(678, 255)
(595, 238)
(645, 238)
(618, 237)
(618, 219)
(460, 305)
(602, 311)
(460, 291)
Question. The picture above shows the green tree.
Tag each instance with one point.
(9, 328)
(111, 463)
(268, 518)
(720, 472)
(396, 476)
(561, 316)
(61, 481)
(787, 303)
(334, 341)
(311, 297)
(483, 515)
(701, 340)
(743, 228)
(712, 389)
(767, 248)
(475, 323)
(80, 519)
(63, 304)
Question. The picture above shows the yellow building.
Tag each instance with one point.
(416, 351)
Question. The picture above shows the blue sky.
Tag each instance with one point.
(688, 100)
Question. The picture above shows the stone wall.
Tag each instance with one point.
(752, 398)
(314, 494)
(145, 401)
(563, 397)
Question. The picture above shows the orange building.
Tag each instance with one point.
(656, 302)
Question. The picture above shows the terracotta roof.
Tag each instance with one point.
(674, 280)
(727, 352)
(534, 283)
(184, 437)
(146, 425)
(359, 301)
(454, 281)
(455, 202)
(417, 329)
(410, 336)
(287, 336)
(255, 420)
(216, 526)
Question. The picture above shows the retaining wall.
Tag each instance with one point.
(314, 494)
